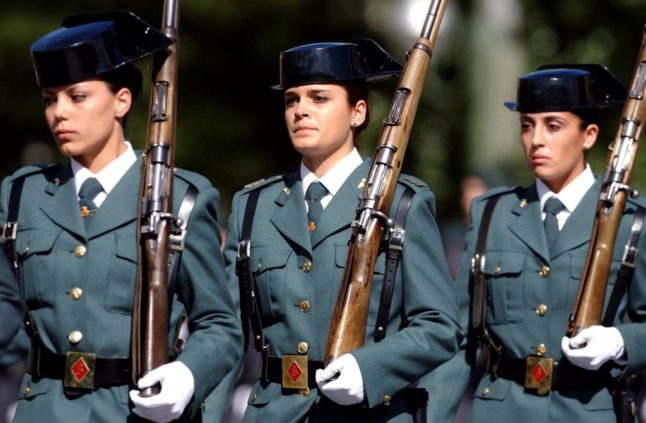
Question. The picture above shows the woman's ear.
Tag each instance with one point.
(590, 135)
(359, 113)
(123, 102)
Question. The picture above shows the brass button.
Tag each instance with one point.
(523, 203)
(26, 249)
(541, 349)
(307, 266)
(304, 306)
(541, 310)
(80, 250)
(76, 293)
(25, 391)
(497, 270)
(253, 398)
(286, 191)
(75, 336)
(544, 272)
(302, 347)
(305, 392)
(258, 267)
(387, 399)
(485, 391)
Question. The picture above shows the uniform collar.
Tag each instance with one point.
(572, 194)
(335, 177)
(109, 176)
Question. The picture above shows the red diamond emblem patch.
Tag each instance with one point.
(80, 369)
(294, 371)
(539, 372)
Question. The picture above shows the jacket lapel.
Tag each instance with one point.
(578, 227)
(63, 207)
(120, 206)
(527, 224)
(290, 217)
(341, 211)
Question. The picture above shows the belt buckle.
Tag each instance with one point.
(79, 370)
(538, 374)
(294, 371)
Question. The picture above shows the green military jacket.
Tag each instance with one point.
(298, 279)
(83, 281)
(530, 295)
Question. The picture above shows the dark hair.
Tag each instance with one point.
(126, 76)
(587, 116)
(358, 91)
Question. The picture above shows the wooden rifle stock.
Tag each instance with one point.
(348, 325)
(155, 220)
(588, 308)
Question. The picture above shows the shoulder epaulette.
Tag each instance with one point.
(33, 169)
(262, 182)
(498, 191)
(412, 181)
(192, 178)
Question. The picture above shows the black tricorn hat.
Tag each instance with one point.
(359, 59)
(563, 87)
(89, 45)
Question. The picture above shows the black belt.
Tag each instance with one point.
(274, 370)
(107, 371)
(564, 376)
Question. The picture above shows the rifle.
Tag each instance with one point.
(348, 325)
(615, 188)
(154, 218)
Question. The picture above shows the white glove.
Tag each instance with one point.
(177, 387)
(341, 381)
(599, 344)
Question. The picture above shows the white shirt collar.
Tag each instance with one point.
(333, 178)
(571, 195)
(109, 176)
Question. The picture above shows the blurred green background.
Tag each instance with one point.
(230, 124)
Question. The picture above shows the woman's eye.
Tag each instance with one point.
(78, 97)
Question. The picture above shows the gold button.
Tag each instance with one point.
(80, 250)
(523, 203)
(387, 399)
(485, 391)
(26, 249)
(304, 392)
(497, 269)
(302, 347)
(76, 293)
(544, 272)
(304, 306)
(258, 266)
(286, 191)
(541, 349)
(541, 310)
(75, 336)
(253, 398)
(307, 266)
(25, 391)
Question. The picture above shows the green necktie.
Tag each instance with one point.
(552, 207)
(315, 192)
(89, 190)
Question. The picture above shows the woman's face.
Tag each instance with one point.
(555, 145)
(85, 120)
(319, 121)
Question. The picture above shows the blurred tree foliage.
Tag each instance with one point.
(230, 122)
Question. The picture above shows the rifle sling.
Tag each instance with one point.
(479, 287)
(393, 257)
(249, 301)
(9, 233)
(627, 268)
